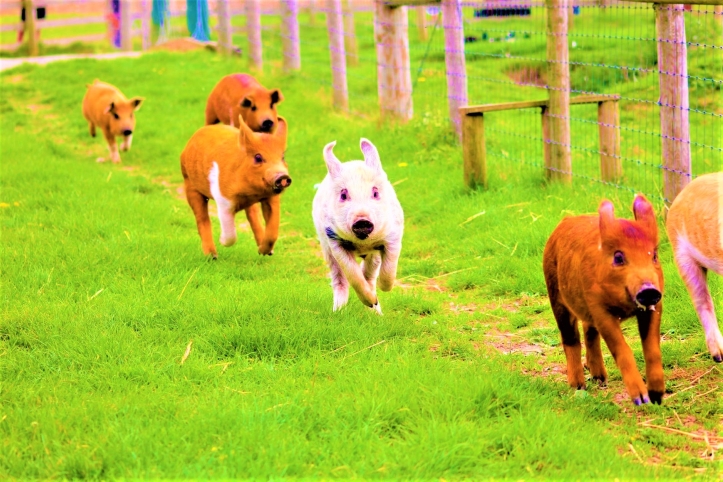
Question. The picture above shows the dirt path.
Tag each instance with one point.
(9, 63)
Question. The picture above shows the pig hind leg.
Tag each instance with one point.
(593, 354)
(91, 129)
(567, 324)
(695, 278)
(199, 205)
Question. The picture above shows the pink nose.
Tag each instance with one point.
(282, 182)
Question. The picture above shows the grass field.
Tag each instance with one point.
(105, 291)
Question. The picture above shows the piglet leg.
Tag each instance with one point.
(613, 336)
(112, 146)
(695, 278)
(649, 327)
(126, 145)
(339, 284)
(355, 276)
(271, 208)
(390, 259)
(253, 214)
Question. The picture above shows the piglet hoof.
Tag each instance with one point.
(656, 397)
(717, 358)
(637, 401)
(377, 307)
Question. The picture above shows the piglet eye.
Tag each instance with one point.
(344, 196)
(618, 258)
(375, 193)
(116, 116)
(258, 159)
(655, 256)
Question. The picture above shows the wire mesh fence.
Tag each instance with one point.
(613, 51)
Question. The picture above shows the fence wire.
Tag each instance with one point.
(613, 50)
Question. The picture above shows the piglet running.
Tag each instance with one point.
(356, 213)
(601, 270)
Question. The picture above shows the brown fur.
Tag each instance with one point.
(586, 283)
(241, 94)
(105, 107)
(242, 180)
(695, 229)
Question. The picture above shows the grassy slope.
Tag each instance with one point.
(91, 382)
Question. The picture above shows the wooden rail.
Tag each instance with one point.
(475, 150)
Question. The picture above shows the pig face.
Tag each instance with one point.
(630, 272)
(362, 195)
(259, 109)
(122, 120)
(263, 157)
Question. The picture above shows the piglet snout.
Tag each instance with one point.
(267, 125)
(362, 228)
(282, 182)
(648, 295)
(127, 132)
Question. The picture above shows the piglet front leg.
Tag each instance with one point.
(355, 276)
(390, 259)
(271, 208)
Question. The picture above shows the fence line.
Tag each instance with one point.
(663, 86)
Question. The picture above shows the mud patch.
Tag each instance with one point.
(508, 343)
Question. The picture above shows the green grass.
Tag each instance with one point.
(104, 286)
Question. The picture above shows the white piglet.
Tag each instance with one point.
(356, 213)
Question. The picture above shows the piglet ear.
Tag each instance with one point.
(110, 109)
(276, 97)
(282, 129)
(136, 102)
(371, 155)
(246, 135)
(645, 215)
(607, 217)
(333, 165)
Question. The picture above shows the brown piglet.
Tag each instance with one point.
(601, 270)
(237, 168)
(241, 94)
(106, 107)
(695, 229)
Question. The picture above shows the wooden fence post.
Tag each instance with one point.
(253, 30)
(145, 25)
(335, 26)
(290, 35)
(674, 102)
(224, 27)
(350, 43)
(474, 150)
(422, 23)
(394, 78)
(30, 26)
(558, 163)
(126, 25)
(608, 118)
(718, 12)
(312, 13)
(454, 60)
